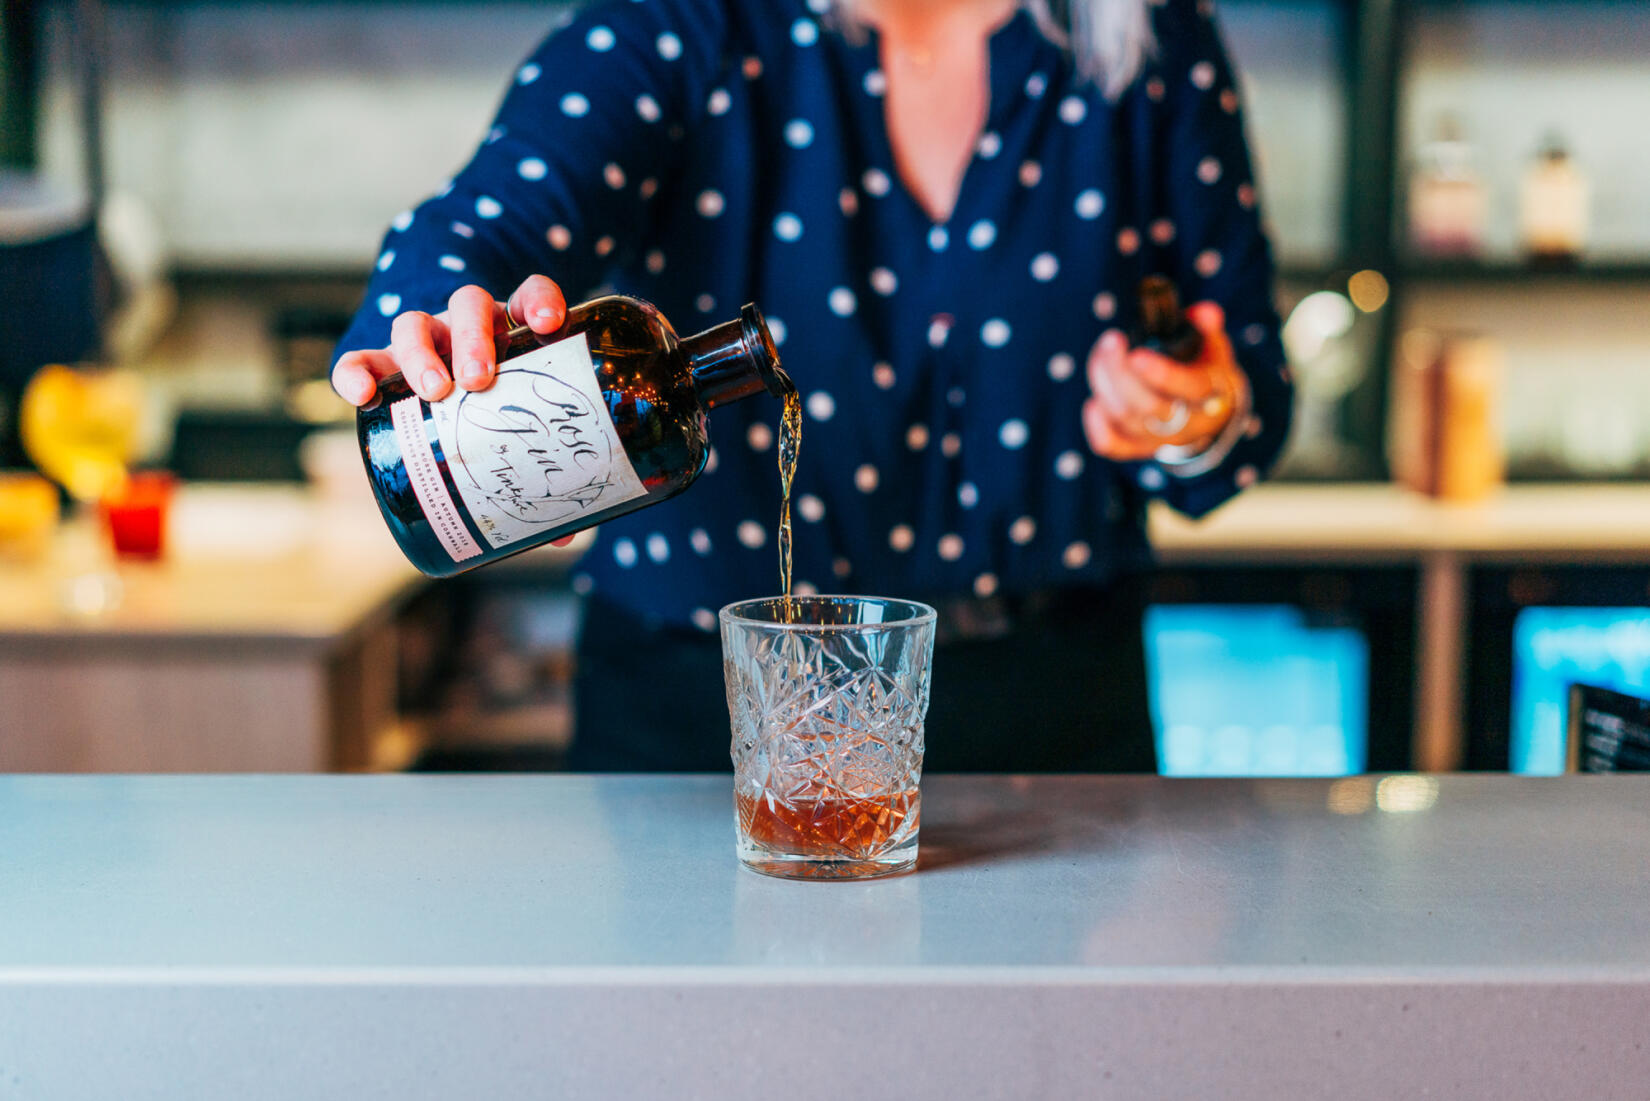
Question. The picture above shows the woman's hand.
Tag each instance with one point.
(464, 334)
(1134, 389)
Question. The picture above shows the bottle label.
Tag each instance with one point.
(538, 449)
(407, 415)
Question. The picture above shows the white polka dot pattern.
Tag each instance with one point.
(950, 547)
(574, 105)
(1013, 434)
(787, 227)
(1044, 267)
(658, 548)
(1061, 366)
(883, 281)
(799, 134)
(1022, 531)
(751, 534)
(901, 538)
(600, 39)
(810, 508)
(866, 478)
(821, 406)
(669, 46)
(759, 436)
(1089, 204)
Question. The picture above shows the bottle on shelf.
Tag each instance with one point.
(604, 417)
(1444, 436)
(1552, 209)
(1447, 199)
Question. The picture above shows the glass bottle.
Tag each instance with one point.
(604, 417)
(1553, 207)
(1165, 329)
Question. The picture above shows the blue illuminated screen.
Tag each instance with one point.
(1556, 647)
(1256, 690)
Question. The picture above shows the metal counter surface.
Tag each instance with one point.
(408, 936)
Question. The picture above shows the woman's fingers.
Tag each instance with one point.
(474, 320)
(539, 304)
(1111, 439)
(1168, 378)
(356, 374)
(414, 340)
(1126, 398)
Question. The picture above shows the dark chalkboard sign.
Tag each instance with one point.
(1609, 731)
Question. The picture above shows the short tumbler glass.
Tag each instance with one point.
(827, 705)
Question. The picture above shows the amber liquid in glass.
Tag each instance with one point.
(830, 827)
(790, 440)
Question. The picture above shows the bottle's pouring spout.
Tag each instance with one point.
(736, 359)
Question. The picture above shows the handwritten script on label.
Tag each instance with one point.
(538, 448)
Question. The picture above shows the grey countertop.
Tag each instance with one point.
(410, 935)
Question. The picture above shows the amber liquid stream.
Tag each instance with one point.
(790, 440)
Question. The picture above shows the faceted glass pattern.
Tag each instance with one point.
(827, 712)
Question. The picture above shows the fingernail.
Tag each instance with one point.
(354, 389)
(434, 381)
(1214, 406)
(474, 372)
(542, 314)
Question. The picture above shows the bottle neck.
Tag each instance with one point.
(735, 360)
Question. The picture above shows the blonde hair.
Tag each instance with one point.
(1109, 40)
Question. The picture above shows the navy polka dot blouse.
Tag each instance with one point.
(705, 153)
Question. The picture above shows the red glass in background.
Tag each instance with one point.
(135, 513)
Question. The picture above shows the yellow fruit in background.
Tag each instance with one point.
(80, 427)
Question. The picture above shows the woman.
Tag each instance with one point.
(945, 208)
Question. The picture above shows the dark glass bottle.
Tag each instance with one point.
(1163, 324)
(603, 417)
(1165, 329)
